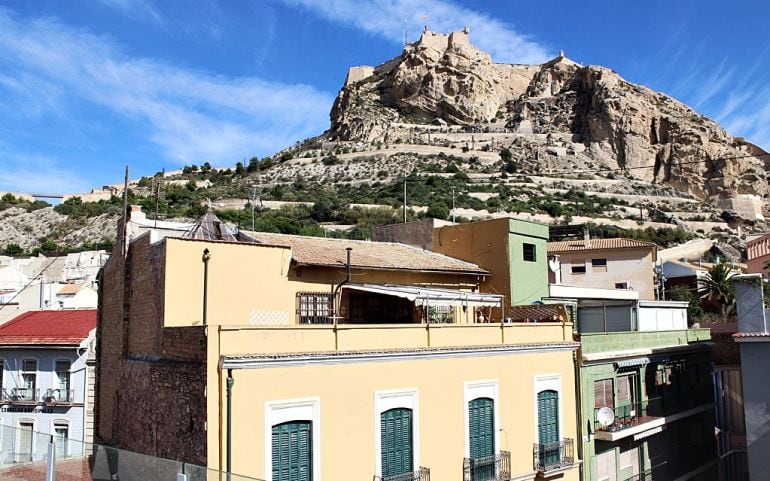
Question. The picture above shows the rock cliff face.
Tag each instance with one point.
(558, 116)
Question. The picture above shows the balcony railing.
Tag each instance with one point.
(422, 474)
(550, 456)
(634, 414)
(489, 468)
(59, 396)
(24, 395)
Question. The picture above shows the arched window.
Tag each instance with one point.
(293, 451)
(548, 426)
(396, 447)
(481, 433)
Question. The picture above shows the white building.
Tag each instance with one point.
(47, 363)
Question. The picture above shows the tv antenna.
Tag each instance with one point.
(406, 40)
(425, 22)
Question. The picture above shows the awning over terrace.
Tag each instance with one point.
(431, 296)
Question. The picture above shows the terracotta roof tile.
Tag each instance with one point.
(70, 289)
(319, 251)
(48, 327)
(751, 334)
(597, 245)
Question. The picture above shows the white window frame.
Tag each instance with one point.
(282, 411)
(37, 373)
(17, 441)
(55, 381)
(392, 399)
(548, 382)
(62, 422)
(481, 389)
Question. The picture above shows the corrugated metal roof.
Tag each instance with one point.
(597, 244)
(210, 227)
(48, 328)
(320, 251)
(751, 334)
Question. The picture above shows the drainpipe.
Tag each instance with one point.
(230, 382)
(337, 290)
(205, 258)
(579, 402)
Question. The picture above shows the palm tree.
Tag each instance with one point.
(717, 286)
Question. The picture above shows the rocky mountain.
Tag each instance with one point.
(556, 117)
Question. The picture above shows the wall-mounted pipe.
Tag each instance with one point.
(229, 460)
(205, 258)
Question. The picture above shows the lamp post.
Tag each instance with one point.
(253, 202)
(205, 258)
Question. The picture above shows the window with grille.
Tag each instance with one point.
(604, 393)
(314, 307)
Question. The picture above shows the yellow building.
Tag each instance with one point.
(276, 357)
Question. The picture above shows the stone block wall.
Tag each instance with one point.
(184, 343)
(144, 297)
(162, 407)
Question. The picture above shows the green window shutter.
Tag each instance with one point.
(293, 451)
(548, 426)
(396, 441)
(481, 427)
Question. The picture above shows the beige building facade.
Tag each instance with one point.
(307, 369)
(604, 263)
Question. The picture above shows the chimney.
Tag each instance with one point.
(586, 237)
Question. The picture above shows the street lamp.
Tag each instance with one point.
(205, 258)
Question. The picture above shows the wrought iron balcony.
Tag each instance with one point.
(550, 456)
(489, 468)
(422, 474)
(24, 395)
(59, 396)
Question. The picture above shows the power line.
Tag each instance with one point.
(8, 302)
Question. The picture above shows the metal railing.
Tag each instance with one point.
(550, 456)
(629, 415)
(24, 395)
(59, 396)
(488, 468)
(422, 474)
(626, 415)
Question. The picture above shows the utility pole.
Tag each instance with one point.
(404, 199)
(253, 205)
(453, 205)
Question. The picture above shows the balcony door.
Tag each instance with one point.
(481, 433)
(396, 451)
(293, 451)
(548, 427)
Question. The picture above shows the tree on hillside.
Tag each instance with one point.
(717, 286)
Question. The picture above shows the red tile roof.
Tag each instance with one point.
(751, 334)
(597, 245)
(48, 327)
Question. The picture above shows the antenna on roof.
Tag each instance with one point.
(406, 40)
(425, 21)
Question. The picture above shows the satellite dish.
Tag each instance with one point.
(605, 416)
(554, 264)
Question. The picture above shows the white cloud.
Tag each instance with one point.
(385, 18)
(192, 115)
(135, 9)
(37, 174)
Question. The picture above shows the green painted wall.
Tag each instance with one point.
(529, 280)
(620, 341)
(607, 370)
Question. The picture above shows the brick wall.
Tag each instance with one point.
(184, 343)
(109, 342)
(151, 381)
(144, 298)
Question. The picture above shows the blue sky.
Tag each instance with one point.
(89, 86)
